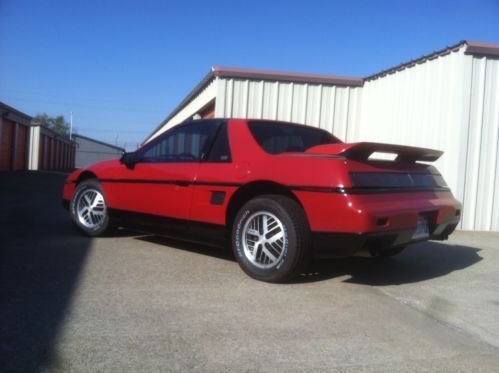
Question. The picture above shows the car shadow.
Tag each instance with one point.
(217, 252)
(41, 258)
(419, 262)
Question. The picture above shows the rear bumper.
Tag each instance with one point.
(344, 224)
(328, 244)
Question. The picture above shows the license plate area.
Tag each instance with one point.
(422, 229)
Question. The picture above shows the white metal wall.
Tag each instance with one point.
(449, 103)
(324, 106)
(481, 185)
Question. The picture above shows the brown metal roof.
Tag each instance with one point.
(482, 49)
(6, 108)
(253, 74)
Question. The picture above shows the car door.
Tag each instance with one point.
(160, 183)
(216, 181)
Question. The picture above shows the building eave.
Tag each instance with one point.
(253, 74)
(482, 49)
(9, 112)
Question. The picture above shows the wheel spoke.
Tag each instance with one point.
(263, 239)
(275, 237)
(87, 200)
(255, 250)
(269, 254)
(265, 224)
(253, 232)
(97, 201)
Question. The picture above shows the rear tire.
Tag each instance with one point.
(271, 238)
(88, 209)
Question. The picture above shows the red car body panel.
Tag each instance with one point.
(319, 179)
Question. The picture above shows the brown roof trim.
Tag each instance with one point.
(482, 49)
(6, 108)
(253, 74)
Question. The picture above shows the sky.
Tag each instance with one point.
(122, 66)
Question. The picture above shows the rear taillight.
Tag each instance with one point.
(396, 180)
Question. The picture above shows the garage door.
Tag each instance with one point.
(6, 145)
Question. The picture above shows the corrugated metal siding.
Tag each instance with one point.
(89, 152)
(49, 151)
(6, 146)
(328, 107)
(449, 103)
(22, 137)
(481, 184)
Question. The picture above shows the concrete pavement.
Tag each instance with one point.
(144, 303)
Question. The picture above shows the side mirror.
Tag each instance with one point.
(129, 159)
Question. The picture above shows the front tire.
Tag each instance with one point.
(88, 208)
(271, 238)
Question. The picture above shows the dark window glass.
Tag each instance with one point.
(220, 151)
(277, 137)
(186, 143)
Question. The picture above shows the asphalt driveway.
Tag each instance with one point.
(144, 303)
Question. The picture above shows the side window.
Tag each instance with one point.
(186, 143)
(220, 151)
(280, 137)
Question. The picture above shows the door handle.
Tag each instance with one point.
(182, 183)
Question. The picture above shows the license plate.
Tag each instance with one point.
(422, 230)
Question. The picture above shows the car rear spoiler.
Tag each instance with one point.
(363, 150)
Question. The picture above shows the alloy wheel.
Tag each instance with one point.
(264, 239)
(91, 209)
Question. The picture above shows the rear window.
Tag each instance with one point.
(276, 137)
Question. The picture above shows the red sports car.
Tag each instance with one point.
(278, 192)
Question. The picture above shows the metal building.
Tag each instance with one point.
(448, 100)
(89, 151)
(48, 150)
(14, 136)
(24, 146)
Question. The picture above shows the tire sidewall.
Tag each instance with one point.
(287, 261)
(80, 189)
